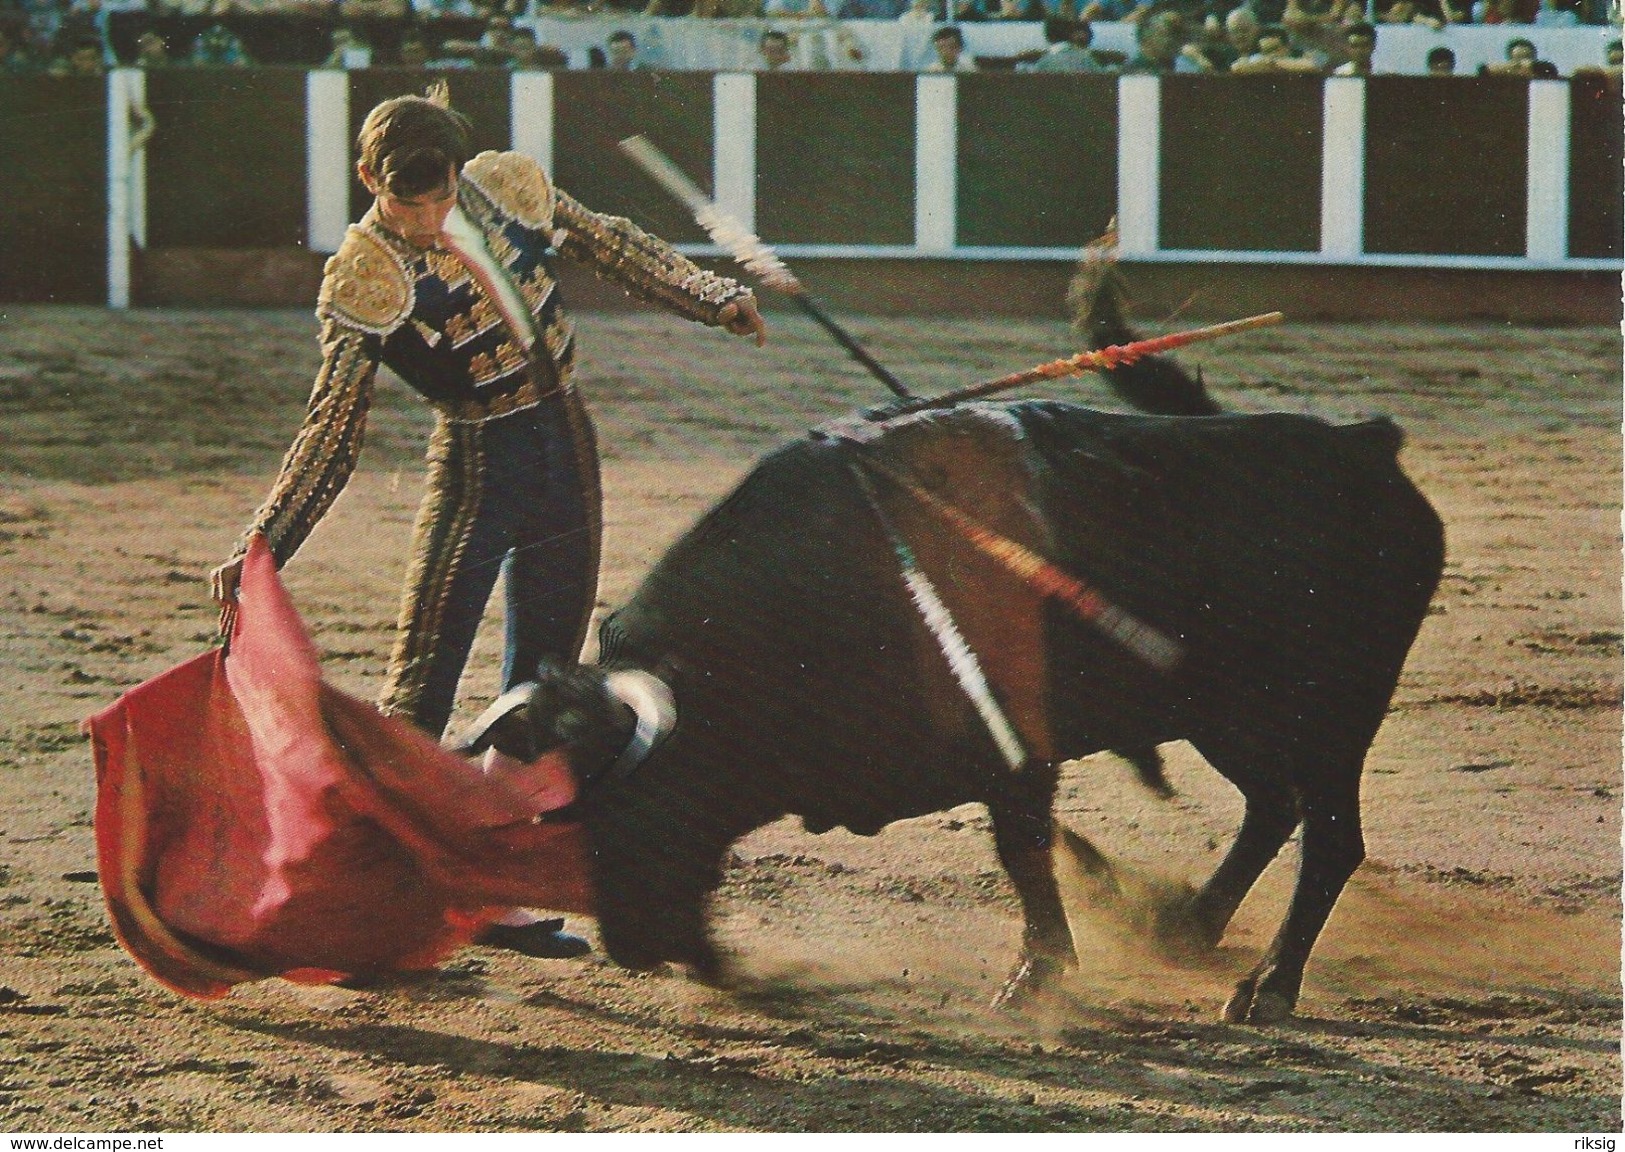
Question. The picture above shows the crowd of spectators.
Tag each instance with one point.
(1326, 37)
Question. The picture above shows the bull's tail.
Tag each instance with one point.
(1154, 384)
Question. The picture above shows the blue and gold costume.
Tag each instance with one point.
(513, 470)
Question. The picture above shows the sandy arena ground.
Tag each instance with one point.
(1469, 980)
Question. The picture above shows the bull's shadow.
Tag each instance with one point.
(850, 1064)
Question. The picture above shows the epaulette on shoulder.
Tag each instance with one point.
(516, 184)
(365, 285)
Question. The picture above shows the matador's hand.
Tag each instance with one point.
(223, 582)
(742, 319)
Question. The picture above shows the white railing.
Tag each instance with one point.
(734, 176)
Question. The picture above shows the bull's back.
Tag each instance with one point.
(1288, 555)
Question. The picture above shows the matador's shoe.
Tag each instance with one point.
(542, 939)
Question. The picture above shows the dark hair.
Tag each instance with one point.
(1517, 40)
(409, 142)
(1278, 31)
(1441, 55)
(622, 36)
(1057, 29)
(1360, 28)
(1084, 27)
(949, 32)
(774, 34)
(1544, 70)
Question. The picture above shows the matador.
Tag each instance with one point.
(447, 280)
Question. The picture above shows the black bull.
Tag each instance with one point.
(1292, 560)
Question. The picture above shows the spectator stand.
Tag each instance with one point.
(682, 44)
(281, 38)
(1404, 49)
(694, 45)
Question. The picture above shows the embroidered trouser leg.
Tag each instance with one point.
(518, 494)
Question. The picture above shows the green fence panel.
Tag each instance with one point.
(1446, 165)
(226, 165)
(835, 158)
(53, 182)
(1037, 163)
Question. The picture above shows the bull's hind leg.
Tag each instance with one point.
(1023, 833)
(1333, 847)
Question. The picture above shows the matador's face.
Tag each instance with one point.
(421, 218)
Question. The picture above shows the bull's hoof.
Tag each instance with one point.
(1030, 978)
(1248, 1005)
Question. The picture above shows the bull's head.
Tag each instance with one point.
(606, 721)
(656, 852)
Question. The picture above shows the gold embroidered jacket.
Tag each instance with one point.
(383, 300)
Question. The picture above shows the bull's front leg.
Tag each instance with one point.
(1023, 833)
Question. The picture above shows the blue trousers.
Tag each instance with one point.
(518, 496)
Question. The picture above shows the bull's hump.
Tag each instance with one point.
(1382, 435)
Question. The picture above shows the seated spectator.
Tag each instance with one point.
(526, 55)
(1434, 14)
(1029, 10)
(1553, 14)
(949, 43)
(848, 49)
(621, 51)
(774, 50)
(498, 30)
(1240, 39)
(1303, 16)
(1161, 40)
(922, 12)
(350, 50)
(1441, 61)
(1275, 54)
(352, 10)
(413, 50)
(218, 47)
(1071, 53)
(795, 8)
(727, 9)
(1360, 43)
(1520, 60)
(79, 55)
(15, 57)
(1613, 57)
(268, 7)
(444, 9)
(873, 10)
(1107, 11)
(151, 51)
(1494, 12)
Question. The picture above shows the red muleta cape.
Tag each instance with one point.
(252, 821)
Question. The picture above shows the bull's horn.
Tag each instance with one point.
(651, 701)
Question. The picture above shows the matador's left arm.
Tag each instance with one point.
(644, 265)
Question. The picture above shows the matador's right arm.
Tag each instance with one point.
(324, 453)
(365, 293)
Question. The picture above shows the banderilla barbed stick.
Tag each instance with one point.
(1106, 359)
(757, 258)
